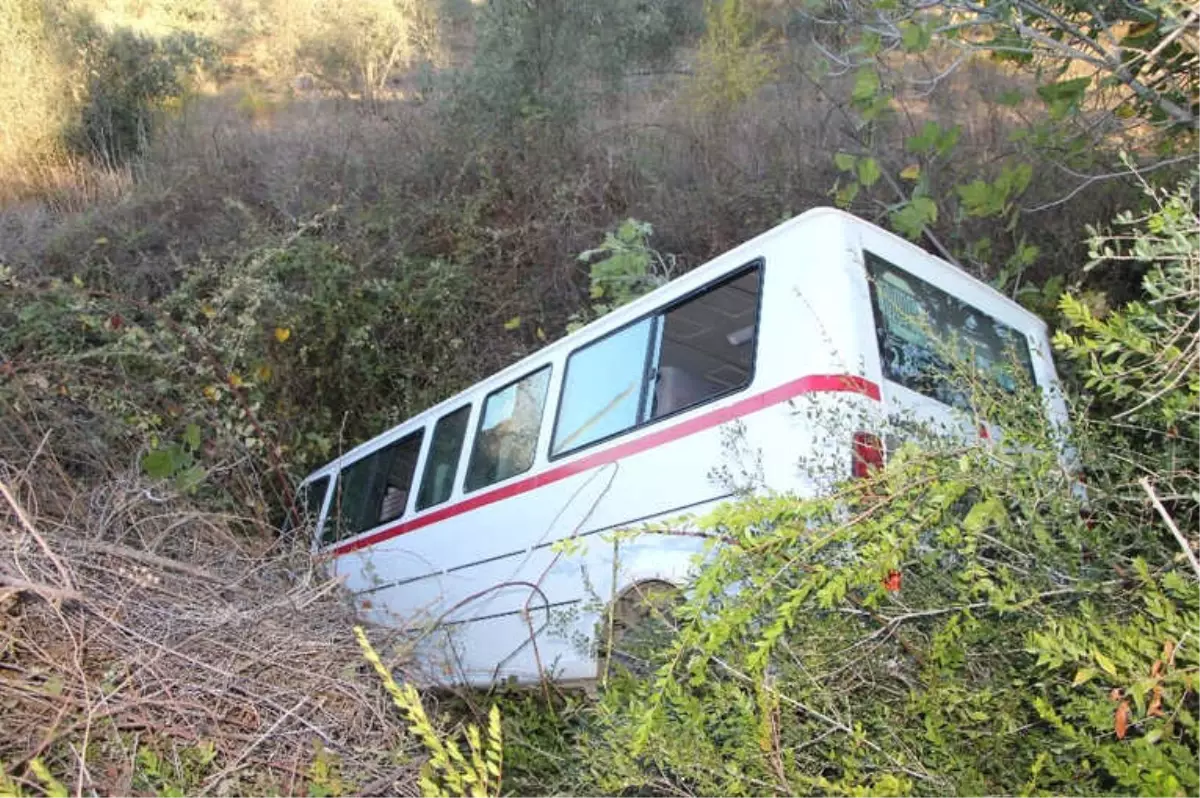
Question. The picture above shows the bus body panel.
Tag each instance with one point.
(510, 581)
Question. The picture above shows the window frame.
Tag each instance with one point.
(651, 345)
(654, 347)
(307, 488)
(880, 326)
(429, 454)
(548, 367)
(335, 500)
(300, 509)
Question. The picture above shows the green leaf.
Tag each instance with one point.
(925, 140)
(1104, 662)
(1010, 97)
(1082, 676)
(191, 436)
(871, 43)
(50, 785)
(190, 478)
(844, 161)
(846, 194)
(159, 464)
(866, 85)
(513, 323)
(915, 37)
(1067, 91)
(926, 207)
(947, 140)
(911, 218)
(911, 172)
(978, 198)
(868, 171)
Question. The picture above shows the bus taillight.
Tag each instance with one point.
(868, 454)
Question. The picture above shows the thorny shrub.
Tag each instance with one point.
(1140, 363)
(284, 356)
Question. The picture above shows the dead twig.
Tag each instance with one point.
(216, 778)
(1184, 543)
(10, 585)
(25, 522)
(188, 631)
(146, 558)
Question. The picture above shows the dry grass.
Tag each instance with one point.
(131, 619)
(234, 163)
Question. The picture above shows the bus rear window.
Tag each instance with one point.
(918, 327)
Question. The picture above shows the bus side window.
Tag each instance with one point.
(707, 346)
(374, 490)
(441, 464)
(400, 477)
(688, 354)
(508, 431)
(602, 390)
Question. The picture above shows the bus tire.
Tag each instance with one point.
(637, 622)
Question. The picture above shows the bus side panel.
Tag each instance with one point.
(443, 572)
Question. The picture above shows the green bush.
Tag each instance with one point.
(331, 353)
(733, 61)
(1139, 364)
(952, 625)
(131, 78)
(289, 355)
(538, 66)
(357, 46)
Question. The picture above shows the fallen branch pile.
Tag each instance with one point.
(149, 646)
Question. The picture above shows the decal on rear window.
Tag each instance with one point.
(919, 327)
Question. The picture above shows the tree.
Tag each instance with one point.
(1074, 83)
(357, 46)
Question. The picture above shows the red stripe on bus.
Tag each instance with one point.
(817, 383)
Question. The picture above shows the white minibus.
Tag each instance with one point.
(724, 379)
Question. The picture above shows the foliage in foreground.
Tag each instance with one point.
(448, 771)
(953, 625)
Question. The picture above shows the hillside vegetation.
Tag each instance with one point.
(240, 236)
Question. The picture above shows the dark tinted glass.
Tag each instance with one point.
(374, 490)
(920, 328)
(441, 465)
(707, 346)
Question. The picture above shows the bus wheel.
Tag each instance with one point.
(639, 622)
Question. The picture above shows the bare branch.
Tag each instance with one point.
(1184, 543)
